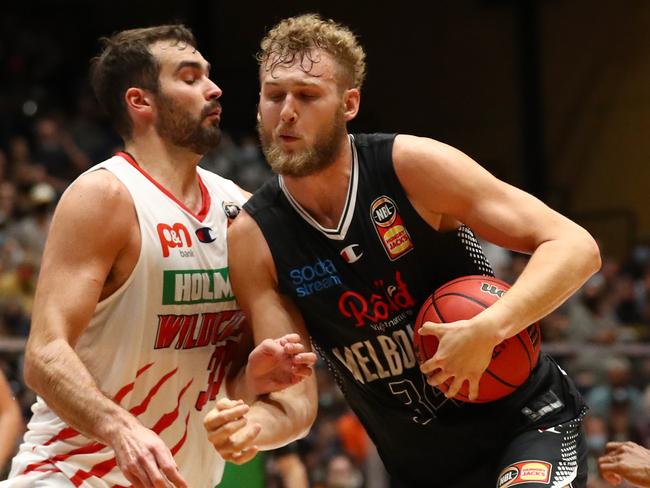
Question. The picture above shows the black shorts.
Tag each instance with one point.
(551, 458)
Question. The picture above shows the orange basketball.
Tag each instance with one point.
(461, 299)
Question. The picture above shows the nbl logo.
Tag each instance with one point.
(390, 227)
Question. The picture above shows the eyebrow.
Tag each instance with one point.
(193, 64)
(301, 83)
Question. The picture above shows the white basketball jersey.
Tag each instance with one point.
(161, 345)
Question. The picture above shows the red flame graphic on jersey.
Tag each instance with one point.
(223, 330)
(378, 307)
(102, 468)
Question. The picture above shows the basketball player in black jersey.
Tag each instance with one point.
(352, 236)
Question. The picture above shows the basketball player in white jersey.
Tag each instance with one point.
(136, 333)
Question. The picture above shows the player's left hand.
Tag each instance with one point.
(625, 460)
(230, 432)
(276, 364)
(464, 353)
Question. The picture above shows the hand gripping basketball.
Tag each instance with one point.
(512, 360)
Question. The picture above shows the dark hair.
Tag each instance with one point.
(125, 61)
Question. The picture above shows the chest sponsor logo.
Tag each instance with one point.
(525, 472)
(390, 227)
(196, 286)
(313, 278)
(175, 236)
(388, 301)
(204, 234)
(351, 254)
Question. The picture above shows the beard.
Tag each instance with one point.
(307, 161)
(177, 125)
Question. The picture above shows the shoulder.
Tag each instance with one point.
(407, 147)
(243, 228)
(96, 201)
(98, 187)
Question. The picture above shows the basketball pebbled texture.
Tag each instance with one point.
(461, 299)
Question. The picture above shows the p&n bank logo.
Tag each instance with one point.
(313, 278)
(175, 236)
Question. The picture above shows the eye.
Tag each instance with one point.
(275, 96)
(308, 95)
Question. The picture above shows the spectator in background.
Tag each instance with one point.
(11, 422)
(341, 472)
(590, 314)
(31, 230)
(25, 171)
(286, 468)
(57, 152)
(596, 435)
(617, 395)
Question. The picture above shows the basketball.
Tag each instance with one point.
(512, 360)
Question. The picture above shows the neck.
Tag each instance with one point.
(172, 166)
(323, 193)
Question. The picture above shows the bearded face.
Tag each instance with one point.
(177, 125)
(310, 159)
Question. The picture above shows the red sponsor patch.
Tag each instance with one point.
(525, 472)
(390, 228)
(173, 236)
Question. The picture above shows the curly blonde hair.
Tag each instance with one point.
(296, 38)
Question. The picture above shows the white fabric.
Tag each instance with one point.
(164, 331)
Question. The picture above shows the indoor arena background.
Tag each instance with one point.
(550, 95)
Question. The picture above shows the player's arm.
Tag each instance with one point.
(92, 228)
(277, 418)
(11, 421)
(444, 184)
(272, 365)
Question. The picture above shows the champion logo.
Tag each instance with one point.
(349, 255)
(205, 235)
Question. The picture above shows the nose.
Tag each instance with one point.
(213, 91)
(288, 113)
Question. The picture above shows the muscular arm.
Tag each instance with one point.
(11, 421)
(90, 239)
(235, 428)
(89, 229)
(445, 185)
(287, 414)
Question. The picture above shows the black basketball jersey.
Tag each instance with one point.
(359, 288)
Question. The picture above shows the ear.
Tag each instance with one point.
(351, 102)
(138, 102)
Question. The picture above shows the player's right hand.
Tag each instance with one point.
(145, 460)
(230, 432)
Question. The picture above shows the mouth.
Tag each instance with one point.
(215, 115)
(287, 137)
